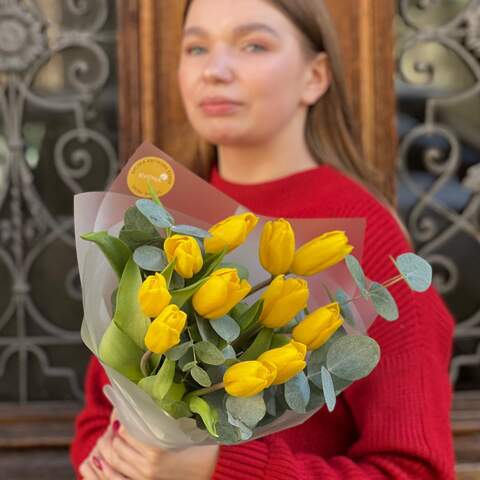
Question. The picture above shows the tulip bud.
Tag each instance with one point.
(289, 360)
(277, 246)
(153, 295)
(246, 379)
(283, 299)
(220, 293)
(317, 327)
(164, 332)
(187, 254)
(321, 253)
(230, 233)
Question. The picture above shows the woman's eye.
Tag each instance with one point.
(194, 50)
(255, 47)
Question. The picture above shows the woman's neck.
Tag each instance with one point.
(284, 155)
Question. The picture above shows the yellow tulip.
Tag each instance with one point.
(230, 233)
(220, 293)
(283, 299)
(246, 379)
(164, 332)
(289, 360)
(321, 253)
(187, 253)
(277, 246)
(317, 327)
(153, 295)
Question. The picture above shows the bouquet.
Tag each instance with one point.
(215, 324)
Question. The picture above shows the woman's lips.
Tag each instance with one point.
(219, 107)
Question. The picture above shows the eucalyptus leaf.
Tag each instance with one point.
(342, 298)
(383, 301)
(249, 410)
(176, 353)
(118, 351)
(175, 408)
(136, 238)
(317, 400)
(155, 214)
(328, 389)
(191, 231)
(150, 258)
(226, 327)
(206, 331)
(128, 316)
(208, 414)
(416, 271)
(200, 376)
(185, 360)
(356, 271)
(114, 249)
(244, 432)
(297, 393)
(209, 353)
(188, 366)
(164, 379)
(261, 344)
(353, 357)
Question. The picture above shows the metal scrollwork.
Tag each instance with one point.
(36, 231)
(438, 67)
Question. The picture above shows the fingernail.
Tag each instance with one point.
(116, 426)
(97, 462)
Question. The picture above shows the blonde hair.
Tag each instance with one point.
(331, 133)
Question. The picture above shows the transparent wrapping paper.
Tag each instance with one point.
(194, 202)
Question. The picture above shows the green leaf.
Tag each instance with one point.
(383, 302)
(248, 410)
(200, 376)
(191, 231)
(297, 393)
(155, 214)
(242, 271)
(150, 258)
(180, 297)
(250, 316)
(239, 309)
(128, 316)
(176, 353)
(116, 251)
(209, 353)
(119, 352)
(164, 379)
(342, 299)
(177, 282)
(208, 414)
(356, 271)
(416, 271)
(146, 384)
(226, 327)
(167, 272)
(353, 357)
(175, 408)
(279, 340)
(261, 344)
(328, 389)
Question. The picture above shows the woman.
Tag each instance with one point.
(261, 84)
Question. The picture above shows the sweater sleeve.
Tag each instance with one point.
(401, 410)
(94, 419)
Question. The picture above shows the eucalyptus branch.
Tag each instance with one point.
(207, 390)
(259, 286)
(386, 284)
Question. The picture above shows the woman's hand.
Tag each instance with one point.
(119, 456)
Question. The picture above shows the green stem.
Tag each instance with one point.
(144, 363)
(207, 390)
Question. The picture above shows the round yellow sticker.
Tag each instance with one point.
(154, 170)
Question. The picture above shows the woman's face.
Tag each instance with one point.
(242, 71)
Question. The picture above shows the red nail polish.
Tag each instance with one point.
(116, 426)
(97, 462)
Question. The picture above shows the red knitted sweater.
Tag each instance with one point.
(394, 424)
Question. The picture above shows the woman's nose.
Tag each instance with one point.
(218, 68)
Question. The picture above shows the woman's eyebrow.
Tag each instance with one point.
(237, 31)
